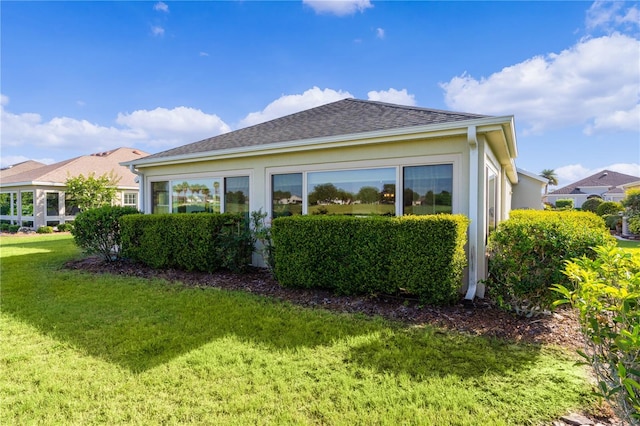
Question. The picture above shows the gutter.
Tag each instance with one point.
(141, 186)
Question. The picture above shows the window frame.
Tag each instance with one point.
(398, 163)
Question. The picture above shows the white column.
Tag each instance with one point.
(472, 139)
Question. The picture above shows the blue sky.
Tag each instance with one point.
(84, 77)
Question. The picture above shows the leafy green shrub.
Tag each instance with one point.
(419, 255)
(609, 207)
(192, 242)
(45, 230)
(634, 224)
(632, 201)
(63, 227)
(612, 220)
(97, 231)
(606, 295)
(527, 251)
(4, 227)
(14, 228)
(565, 204)
(592, 204)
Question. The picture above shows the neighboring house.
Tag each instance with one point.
(350, 157)
(32, 194)
(522, 199)
(631, 185)
(608, 185)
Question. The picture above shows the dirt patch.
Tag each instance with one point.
(483, 318)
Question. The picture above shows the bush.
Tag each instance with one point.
(45, 230)
(418, 255)
(592, 204)
(97, 231)
(634, 224)
(191, 242)
(632, 201)
(527, 251)
(612, 221)
(14, 228)
(609, 207)
(606, 295)
(63, 227)
(564, 204)
(4, 227)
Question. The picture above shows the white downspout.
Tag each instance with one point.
(472, 139)
(141, 186)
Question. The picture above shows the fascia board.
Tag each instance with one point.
(405, 133)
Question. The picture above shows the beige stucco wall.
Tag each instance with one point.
(527, 193)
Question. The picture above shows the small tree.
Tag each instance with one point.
(92, 192)
(551, 177)
(592, 204)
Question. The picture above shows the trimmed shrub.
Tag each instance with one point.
(14, 228)
(591, 205)
(606, 293)
(609, 207)
(632, 201)
(45, 230)
(63, 227)
(191, 242)
(634, 224)
(418, 255)
(566, 204)
(527, 251)
(97, 231)
(4, 227)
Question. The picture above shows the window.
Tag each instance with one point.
(428, 189)
(130, 199)
(492, 200)
(286, 194)
(5, 203)
(26, 198)
(160, 197)
(236, 194)
(70, 207)
(352, 192)
(53, 204)
(200, 195)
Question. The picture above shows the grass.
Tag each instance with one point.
(84, 349)
(632, 245)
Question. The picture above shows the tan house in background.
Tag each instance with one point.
(607, 185)
(32, 194)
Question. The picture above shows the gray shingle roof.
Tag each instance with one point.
(604, 178)
(348, 116)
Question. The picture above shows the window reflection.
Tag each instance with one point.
(352, 192)
(286, 194)
(428, 189)
(236, 195)
(196, 195)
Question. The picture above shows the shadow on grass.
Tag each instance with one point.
(139, 324)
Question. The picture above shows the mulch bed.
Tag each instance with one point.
(482, 318)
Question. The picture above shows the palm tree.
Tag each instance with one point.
(551, 177)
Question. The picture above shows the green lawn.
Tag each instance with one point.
(629, 244)
(83, 349)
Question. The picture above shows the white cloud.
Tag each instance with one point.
(575, 172)
(595, 83)
(289, 104)
(401, 97)
(380, 33)
(612, 15)
(148, 130)
(157, 31)
(203, 54)
(161, 7)
(171, 127)
(4, 100)
(338, 7)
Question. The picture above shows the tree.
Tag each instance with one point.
(551, 177)
(92, 192)
(323, 193)
(368, 194)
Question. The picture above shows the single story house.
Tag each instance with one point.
(32, 194)
(607, 185)
(351, 157)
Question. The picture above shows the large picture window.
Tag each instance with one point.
(428, 189)
(26, 198)
(70, 206)
(53, 204)
(286, 194)
(352, 192)
(201, 195)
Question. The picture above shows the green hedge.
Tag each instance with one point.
(191, 242)
(417, 255)
(528, 251)
(566, 204)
